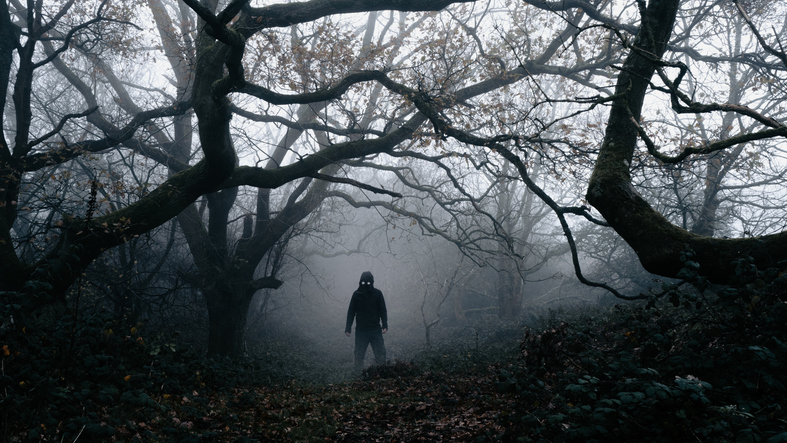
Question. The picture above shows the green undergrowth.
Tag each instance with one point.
(92, 379)
(697, 363)
(701, 363)
(462, 361)
(97, 380)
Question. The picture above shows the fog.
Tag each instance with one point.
(418, 276)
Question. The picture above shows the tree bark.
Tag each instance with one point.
(658, 243)
(228, 307)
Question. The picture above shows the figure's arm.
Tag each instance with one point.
(383, 312)
(350, 315)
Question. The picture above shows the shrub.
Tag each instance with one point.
(699, 363)
(96, 378)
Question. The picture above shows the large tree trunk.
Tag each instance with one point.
(658, 243)
(228, 308)
(509, 293)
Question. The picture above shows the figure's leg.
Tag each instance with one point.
(378, 347)
(361, 343)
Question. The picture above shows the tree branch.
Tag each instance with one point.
(303, 126)
(60, 125)
(348, 181)
(773, 51)
(282, 15)
(117, 136)
(266, 283)
(330, 93)
(708, 148)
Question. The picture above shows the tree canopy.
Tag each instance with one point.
(660, 120)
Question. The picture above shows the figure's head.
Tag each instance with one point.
(367, 280)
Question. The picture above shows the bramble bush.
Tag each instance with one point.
(699, 363)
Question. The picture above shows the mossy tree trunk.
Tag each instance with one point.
(657, 242)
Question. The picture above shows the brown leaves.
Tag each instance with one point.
(429, 407)
(397, 403)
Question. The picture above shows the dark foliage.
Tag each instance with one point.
(98, 380)
(705, 364)
(701, 363)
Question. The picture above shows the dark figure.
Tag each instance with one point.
(367, 307)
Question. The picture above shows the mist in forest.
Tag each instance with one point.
(427, 284)
(190, 192)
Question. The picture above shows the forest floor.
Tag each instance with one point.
(120, 387)
(430, 406)
(681, 370)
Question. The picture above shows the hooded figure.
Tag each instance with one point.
(367, 308)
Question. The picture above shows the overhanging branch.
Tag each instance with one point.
(357, 184)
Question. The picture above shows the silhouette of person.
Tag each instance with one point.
(367, 308)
